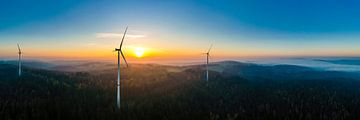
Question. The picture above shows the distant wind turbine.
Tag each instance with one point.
(19, 62)
(207, 63)
(119, 51)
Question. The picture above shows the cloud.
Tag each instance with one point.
(117, 35)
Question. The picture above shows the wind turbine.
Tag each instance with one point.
(207, 63)
(19, 62)
(119, 51)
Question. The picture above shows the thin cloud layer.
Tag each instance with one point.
(117, 35)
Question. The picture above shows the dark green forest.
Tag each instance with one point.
(156, 92)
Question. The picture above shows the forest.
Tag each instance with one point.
(150, 91)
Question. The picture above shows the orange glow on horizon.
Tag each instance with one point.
(136, 52)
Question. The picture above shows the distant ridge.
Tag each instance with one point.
(342, 61)
(30, 63)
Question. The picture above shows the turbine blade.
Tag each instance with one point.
(19, 47)
(122, 54)
(123, 38)
(210, 48)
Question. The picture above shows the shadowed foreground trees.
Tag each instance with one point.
(151, 92)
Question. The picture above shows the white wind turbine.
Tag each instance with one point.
(19, 62)
(207, 63)
(119, 51)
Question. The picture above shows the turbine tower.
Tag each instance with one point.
(19, 62)
(119, 52)
(207, 63)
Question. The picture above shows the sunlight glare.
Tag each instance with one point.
(139, 52)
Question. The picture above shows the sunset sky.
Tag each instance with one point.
(172, 29)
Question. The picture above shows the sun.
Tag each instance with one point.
(139, 52)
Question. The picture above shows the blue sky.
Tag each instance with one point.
(238, 28)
